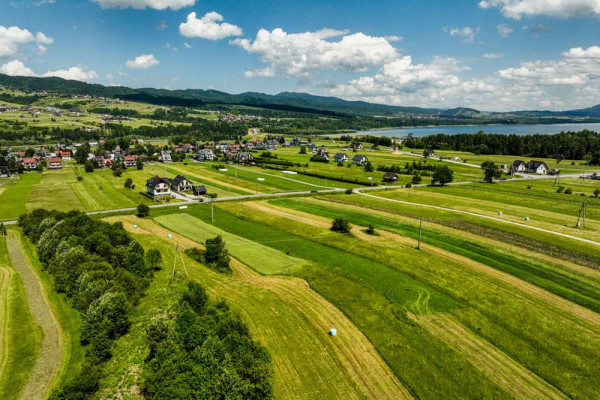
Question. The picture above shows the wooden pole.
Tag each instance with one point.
(420, 229)
(174, 261)
(183, 262)
(212, 211)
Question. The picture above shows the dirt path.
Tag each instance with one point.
(5, 277)
(593, 242)
(584, 316)
(499, 367)
(51, 353)
(292, 321)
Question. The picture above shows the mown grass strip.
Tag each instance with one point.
(21, 337)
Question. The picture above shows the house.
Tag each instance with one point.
(130, 161)
(537, 167)
(4, 171)
(299, 142)
(390, 177)
(54, 163)
(271, 144)
(181, 184)
(199, 190)
(260, 146)
(243, 158)
(321, 155)
(205, 155)
(158, 186)
(165, 156)
(29, 163)
(518, 166)
(313, 147)
(359, 160)
(340, 157)
(66, 155)
(357, 145)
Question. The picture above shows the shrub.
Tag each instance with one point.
(128, 183)
(89, 167)
(569, 191)
(340, 225)
(143, 210)
(153, 258)
(371, 229)
(442, 174)
(79, 178)
(408, 185)
(416, 179)
(596, 193)
(349, 191)
(560, 189)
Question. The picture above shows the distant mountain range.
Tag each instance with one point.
(287, 101)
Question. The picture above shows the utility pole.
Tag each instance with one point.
(420, 229)
(174, 260)
(581, 214)
(557, 176)
(212, 211)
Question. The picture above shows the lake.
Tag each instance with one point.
(501, 129)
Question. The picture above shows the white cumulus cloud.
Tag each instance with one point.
(517, 9)
(493, 55)
(141, 4)
(504, 30)
(11, 38)
(17, 68)
(304, 54)
(144, 61)
(210, 27)
(467, 33)
(73, 73)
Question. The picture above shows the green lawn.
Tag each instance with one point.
(15, 195)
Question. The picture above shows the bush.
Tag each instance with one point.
(153, 259)
(569, 191)
(371, 229)
(89, 167)
(143, 210)
(560, 189)
(349, 191)
(340, 225)
(216, 255)
(79, 178)
(596, 193)
(408, 185)
(128, 183)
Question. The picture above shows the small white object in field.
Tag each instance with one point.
(135, 227)
(169, 236)
(260, 179)
(500, 213)
(333, 332)
(526, 218)
(223, 169)
(182, 207)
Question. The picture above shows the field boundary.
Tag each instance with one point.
(51, 353)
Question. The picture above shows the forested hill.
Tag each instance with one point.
(285, 101)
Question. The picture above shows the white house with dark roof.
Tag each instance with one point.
(181, 184)
(158, 186)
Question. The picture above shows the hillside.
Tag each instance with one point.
(286, 101)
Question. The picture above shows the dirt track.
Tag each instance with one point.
(5, 278)
(51, 352)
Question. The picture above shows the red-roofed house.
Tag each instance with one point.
(130, 160)
(65, 155)
(29, 163)
(54, 163)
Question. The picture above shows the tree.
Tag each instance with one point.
(416, 179)
(139, 164)
(89, 166)
(214, 247)
(302, 149)
(340, 225)
(153, 258)
(128, 183)
(597, 193)
(490, 171)
(82, 154)
(442, 174)
(143, 210)
(196, 297)
(369, 167)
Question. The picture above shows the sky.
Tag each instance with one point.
(495, 55)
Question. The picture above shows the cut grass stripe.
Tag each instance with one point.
(259, 257)
(509, 374)
(49, 358)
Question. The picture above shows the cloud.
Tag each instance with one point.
(504, 30)
(302, 55)
(208, 27)
(493, 55)
(144, 61)
(187, 45)
(517, 9)
(141, 4)
(393, 38)
(467, 33)
(73, 73)
(572, 81)
(538, 28)
(17, 68)
(13, 37)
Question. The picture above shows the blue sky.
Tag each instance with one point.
(492, 54)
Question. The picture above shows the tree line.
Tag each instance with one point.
(583, 145)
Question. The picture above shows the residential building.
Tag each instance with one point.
(181, 184)
(205, 155)
(165, 156)
(359, 160)
(157, 186)
(54, 163)
(537, 167)
(340, 157)
(29, 163)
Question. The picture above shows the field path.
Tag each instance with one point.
(482, 216)
(5, 277)
(499, 367)
(292, 321)
(51, 352)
